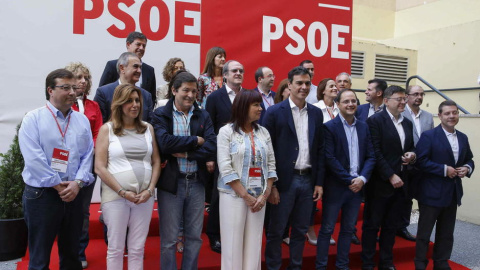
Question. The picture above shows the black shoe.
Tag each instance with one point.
(405, 234)
(387, 268)
(215, 245)
(355, 239)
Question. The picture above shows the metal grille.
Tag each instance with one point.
(393, 69)
(358, 62)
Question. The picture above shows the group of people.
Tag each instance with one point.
(271, 156)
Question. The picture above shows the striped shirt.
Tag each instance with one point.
(181, 127)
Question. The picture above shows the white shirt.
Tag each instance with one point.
(453, 140)
(399, 127)
(231, 93)
(326, 116)
(300, 119)
(371, 109)
(312, 95)
(416, 120)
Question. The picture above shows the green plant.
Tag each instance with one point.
(11, 181)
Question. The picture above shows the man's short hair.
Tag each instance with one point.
(259, 73)
(392, 90)
(409, 88)
(225, 66)
(300, 70)
(60, 73)
(381, 85)
(446, 103)
(123, 60)
(305, 62)
(339, 96)
(344, 73)
(135, 35)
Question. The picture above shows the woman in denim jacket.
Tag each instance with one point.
(247, 171)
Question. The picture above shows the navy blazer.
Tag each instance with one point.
(263, 105)
(279, 122)
(219, 107)
(388, 153)
(149, 83)
(337, 156)
(362, 112)
(200, 125)
(104, 96)
(434, 152)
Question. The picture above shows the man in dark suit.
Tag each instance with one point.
(136, 43)
(265, 78)
(374, 98)
(219, 106)
(296, 129)
(392, 139)
(350, 160)
(422, 121)
(129, 67)
(445, 157)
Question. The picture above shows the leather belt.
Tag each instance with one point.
(303, 171)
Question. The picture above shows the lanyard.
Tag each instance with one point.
(330, 112)
(266, 100)
(58, 125)
(252, 144)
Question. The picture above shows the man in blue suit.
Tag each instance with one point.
(296, 129)
(374, 98)
(129, 68)
(350, 160)
(392, 139)
(137, 44)
(265, 78)
(445, 157)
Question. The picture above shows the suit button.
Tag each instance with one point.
(294, 161)
(296, 148)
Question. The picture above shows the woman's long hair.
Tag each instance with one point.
(120, 97)
(241, 107)
(209, 66)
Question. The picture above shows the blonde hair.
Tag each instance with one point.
(120, 97)
(75, 67)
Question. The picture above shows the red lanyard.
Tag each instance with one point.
(331, 113)
(58, 125)
(266, 100)
(252, 143)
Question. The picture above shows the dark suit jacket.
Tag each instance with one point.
(362, 112)
(219, 107)
(279, 122)
(200, 125)
(149, 83)
(104, 96)
(388, 153)
(337, 156)
(434, 152)
(263, 105)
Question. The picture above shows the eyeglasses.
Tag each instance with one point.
(237, 70)
(417, 94)
(270, 76)
(67, 87)
(399, 99)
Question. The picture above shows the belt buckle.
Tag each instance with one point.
(188, 175)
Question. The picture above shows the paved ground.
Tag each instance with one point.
(466, 249)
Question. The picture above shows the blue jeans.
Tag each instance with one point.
(296, 204)
(86, 197)
(47, 217)
(349, 203)
(188, 204)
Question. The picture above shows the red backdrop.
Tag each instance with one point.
(279, 34)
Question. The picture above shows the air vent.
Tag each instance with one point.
(393, 69)
(358, 62)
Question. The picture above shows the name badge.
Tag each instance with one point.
(255, 177)
(60, 160)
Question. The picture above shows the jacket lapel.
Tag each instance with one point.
(287, 112)
(390, 127)
(311, 125)
(226, 100)
(444, 140)
(340, 131)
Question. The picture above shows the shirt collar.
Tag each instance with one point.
(180, 112)
(263, 94)
(345, 121)
(400, 118)
(56, 111)
(230, 90)
(380, 108)
(293, 106)
(448, 133)
(412, 113)
(322, 105)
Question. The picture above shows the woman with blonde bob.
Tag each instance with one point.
(247, 171)
(128, 162)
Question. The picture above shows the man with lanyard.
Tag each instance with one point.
(57, 147)
(264, 77)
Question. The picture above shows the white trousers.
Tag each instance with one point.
(241, 232)
(118, 215)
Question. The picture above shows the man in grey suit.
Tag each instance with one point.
(422, 121)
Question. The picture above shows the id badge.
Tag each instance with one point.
(60, 160)
(255, 177)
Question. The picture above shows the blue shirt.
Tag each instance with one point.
(181, 127)
(39, 135)
(352, 139)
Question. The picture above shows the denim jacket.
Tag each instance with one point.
(234, 156)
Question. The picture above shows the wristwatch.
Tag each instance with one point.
(80, 183)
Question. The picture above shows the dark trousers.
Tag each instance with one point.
(296, 204)
(381, 212)
(86, 198)
(414, 179)
(47, 217)
(213, 222)
(442, 249)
